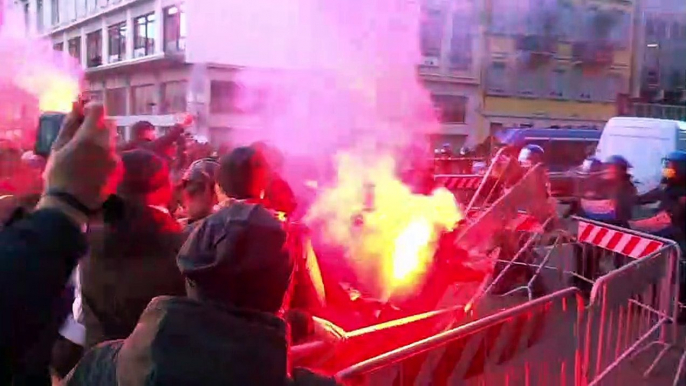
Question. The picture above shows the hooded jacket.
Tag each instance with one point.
(179, 341)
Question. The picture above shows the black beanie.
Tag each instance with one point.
(238, 256)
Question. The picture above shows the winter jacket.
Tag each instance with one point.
(37, 255)
(132, 260)
(179, 341)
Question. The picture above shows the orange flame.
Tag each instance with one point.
(395, 240)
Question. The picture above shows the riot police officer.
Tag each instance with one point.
(511, 242)
(671, 195)
(604, 194)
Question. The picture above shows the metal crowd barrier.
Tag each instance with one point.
(370, 341)
(634, 306)
(632, 284)
(487, 351)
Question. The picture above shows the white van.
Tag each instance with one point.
(644, 142)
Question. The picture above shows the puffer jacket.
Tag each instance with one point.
(179, 341)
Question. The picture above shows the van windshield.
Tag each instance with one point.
(564, 155)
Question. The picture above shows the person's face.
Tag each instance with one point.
(669, 170)
(199, 204)
(148, 135)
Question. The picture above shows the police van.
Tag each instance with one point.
(644, 142)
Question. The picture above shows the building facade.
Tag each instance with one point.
(660, 71)
(136, 58)
(450, 42)
(555, 62)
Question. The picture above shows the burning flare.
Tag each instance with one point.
(389, 233)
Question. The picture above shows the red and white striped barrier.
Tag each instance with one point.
(617, 241)
(464, 182)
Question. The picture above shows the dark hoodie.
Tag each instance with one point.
(239, 348)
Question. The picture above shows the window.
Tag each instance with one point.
(58, 46)
(499, 20)
(451, 108)
(117, 42)
(613, 86)
(431, 32)
(566, 154)
(496, 79)
(92, 5)
(94, 48)
(461, 43)
(74, 46)
(143, 99)
(174, 97)
(558, 84)
(584, 84)
(620, 32)
(223, 96)
(174, 29)
(660, 29)
(144, 36)
(55, 12)
(39, 15)
(115, 101)
(93, 95)
(527, 82)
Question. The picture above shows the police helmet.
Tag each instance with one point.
(531, 154)
(676, 156)
(619, 161)
(591, 165)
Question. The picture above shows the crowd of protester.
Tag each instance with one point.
(159, 261)
(152, 262)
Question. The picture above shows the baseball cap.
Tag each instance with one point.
(201, 172)
(238, 257)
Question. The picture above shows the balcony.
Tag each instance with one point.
(593, 53)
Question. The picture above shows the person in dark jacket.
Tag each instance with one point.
(671, 195)
(228, 330)
(38, 253)
(609, 199)
(529, 156)
(132, 257)
(143, 136)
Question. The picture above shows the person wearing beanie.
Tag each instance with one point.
(228, 330)
(132, 253)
